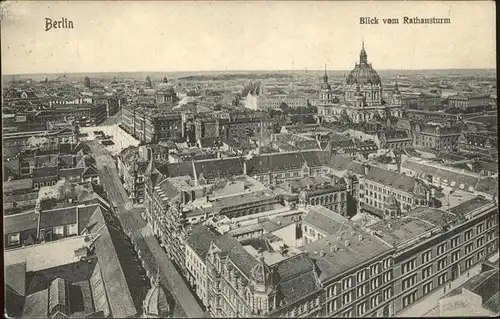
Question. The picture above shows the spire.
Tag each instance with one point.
(362, 55)
(325, 77)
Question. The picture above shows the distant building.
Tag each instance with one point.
(465, 102)
(437, 137)
(362, 100)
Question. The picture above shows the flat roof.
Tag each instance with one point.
(46, 255)
(333, 263)
(242, 199)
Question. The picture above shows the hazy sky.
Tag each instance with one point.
(188, 36)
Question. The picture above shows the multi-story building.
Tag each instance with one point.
(243, 282)
(132, 163)
(14, 143)
(440, 175)
(152, 125)
(434, 247)
(362, 100)
(356, 267)
(464, 102)
(392, 139)
(311, 191)
(435, 136)
(388, 194)
(85, 114)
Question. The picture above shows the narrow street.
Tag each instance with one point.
(132, 222)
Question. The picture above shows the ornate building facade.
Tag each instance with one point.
(362, 100)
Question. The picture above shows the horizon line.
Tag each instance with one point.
(242, 70)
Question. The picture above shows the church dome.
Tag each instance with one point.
(261, 274)
(363, 73)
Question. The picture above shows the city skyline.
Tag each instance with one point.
(244, 36)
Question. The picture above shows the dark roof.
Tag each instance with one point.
(200, 240)
(469, 205)
(71, 172)
(242, 259)
(20, 222)
(45, 171)
(488, 185)
(392, 179)
(36, 305)
(64, 216)
(15, 278)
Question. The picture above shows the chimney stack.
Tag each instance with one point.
(321, 253)
(347, 243)
(360, 237)
(244, 167)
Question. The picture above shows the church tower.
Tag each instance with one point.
(325, 94)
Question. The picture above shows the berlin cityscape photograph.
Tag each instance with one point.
(239, 159)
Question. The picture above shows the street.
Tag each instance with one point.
(132, 222)
(113, 119)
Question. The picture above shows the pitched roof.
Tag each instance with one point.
(200, 240)
(392, 179)
(20, 222)
(324, 220)
(117, 290)
(15, 278)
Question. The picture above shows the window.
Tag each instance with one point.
(442, 263)
(361, 290)
(442, 279)
(468, 248)
(361, 308)
(59, 230)
(347, 283)
(409, 299)
(387, 263)
(333, 306)
(409, 282)
(490, 235)
(332, 290)
(427, 287)
(455, 241)
(72, 229)
(346, 298)
(361, 276)
(426, 256)
(408, 266)
(480, 242)
(374, 283)
(468, 235)
(480, 229)
(426, 272)
(387, 276)
(455, 255)
(374, 301)
(441, 249)
(14, 239)
(387, 294)
(348, 314)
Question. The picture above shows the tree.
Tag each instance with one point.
(86, 82)
(285, 108)
(36, 142)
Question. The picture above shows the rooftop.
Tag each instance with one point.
(324, 220)
(35, 256)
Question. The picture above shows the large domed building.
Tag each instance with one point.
(362, 99)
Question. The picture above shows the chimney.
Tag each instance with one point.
(339, 238)
(367, 168)
(194, 173)
(360, 237)
(321, 253)
(244, 167)
(347, 243)
(353, 233)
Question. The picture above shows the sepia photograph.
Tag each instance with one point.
(238, 159)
